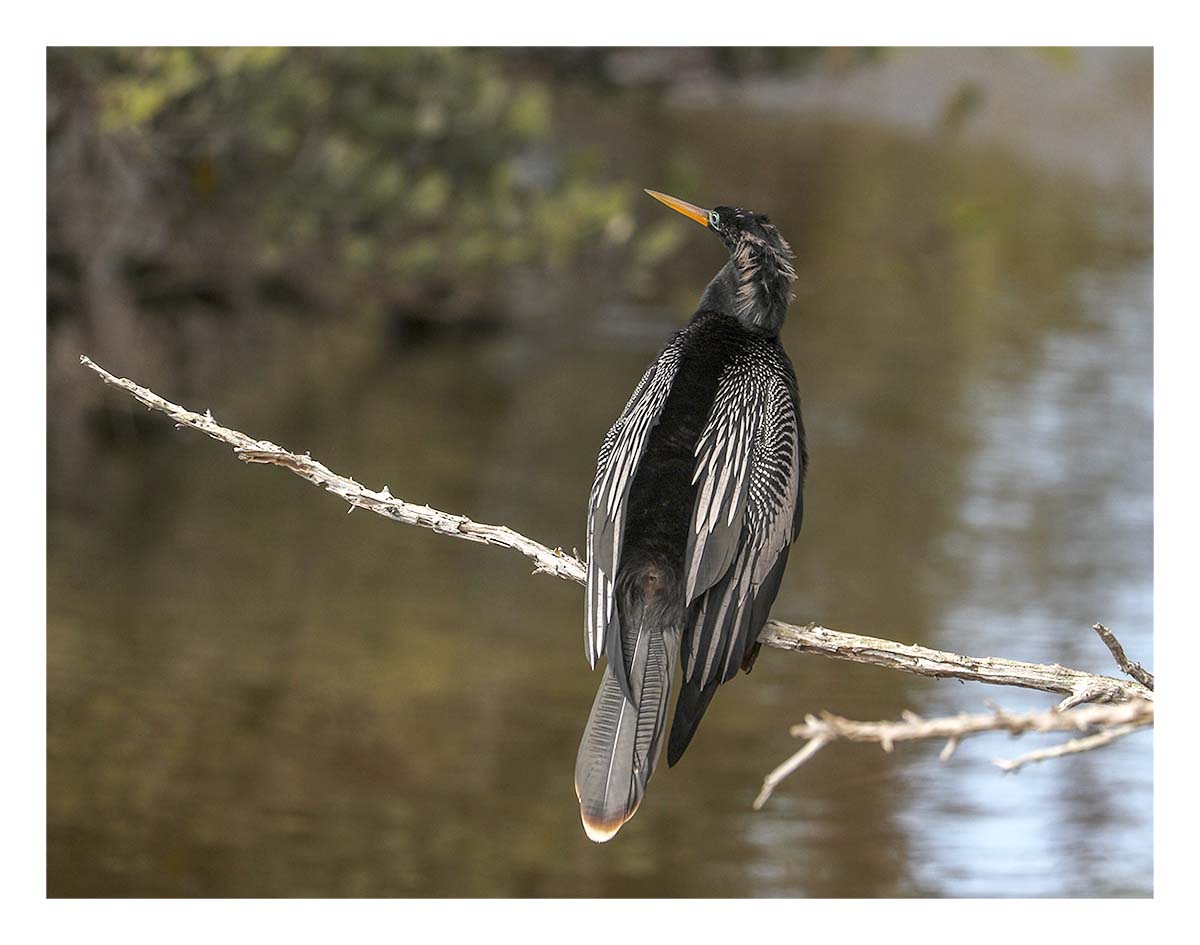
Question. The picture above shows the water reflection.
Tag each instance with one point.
(252, 693)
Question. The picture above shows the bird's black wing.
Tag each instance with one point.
(620, 454)
(750, 462)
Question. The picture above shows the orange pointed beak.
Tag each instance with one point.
(691, 211)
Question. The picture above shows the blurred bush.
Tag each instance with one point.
(356, 178)
(206, 206)
(366, 181)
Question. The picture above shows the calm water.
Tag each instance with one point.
(252, 693)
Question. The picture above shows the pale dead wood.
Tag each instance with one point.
(1076, 685)
(785, 769)
(1073, 747)
(913, 727)
(811, 638)
(1113, 721)
(1124, 663)
(250, 450)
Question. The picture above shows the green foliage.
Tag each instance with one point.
(406, 170)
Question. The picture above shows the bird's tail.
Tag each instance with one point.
(623, 738)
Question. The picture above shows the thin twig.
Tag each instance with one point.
(812, 638)
(826, 728)
(1124, 663)
(1074, 746)
(915, 728)
(250, 450)
(810, 748)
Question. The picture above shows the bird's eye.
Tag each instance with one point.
(714, 219)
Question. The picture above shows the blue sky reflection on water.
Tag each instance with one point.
(1041, 465)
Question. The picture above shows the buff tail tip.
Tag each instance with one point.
(601, 829)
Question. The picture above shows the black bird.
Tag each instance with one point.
(696, 499)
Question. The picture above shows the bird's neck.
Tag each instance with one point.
(754, 287)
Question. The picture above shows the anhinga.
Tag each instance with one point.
(696, 499)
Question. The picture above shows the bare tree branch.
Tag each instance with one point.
(1124, 663)
(1076, 685)
(1074, 746)
(250, 450)
(785, 769)
(812, 638)
(1113, 721)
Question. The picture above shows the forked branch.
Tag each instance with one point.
(1074, 685)
(1108, 722)
(810, 638)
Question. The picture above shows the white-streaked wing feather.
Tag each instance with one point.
(616, 467)
(748, 473)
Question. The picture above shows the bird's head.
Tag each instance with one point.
(755, 285)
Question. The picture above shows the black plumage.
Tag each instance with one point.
(697, 496)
